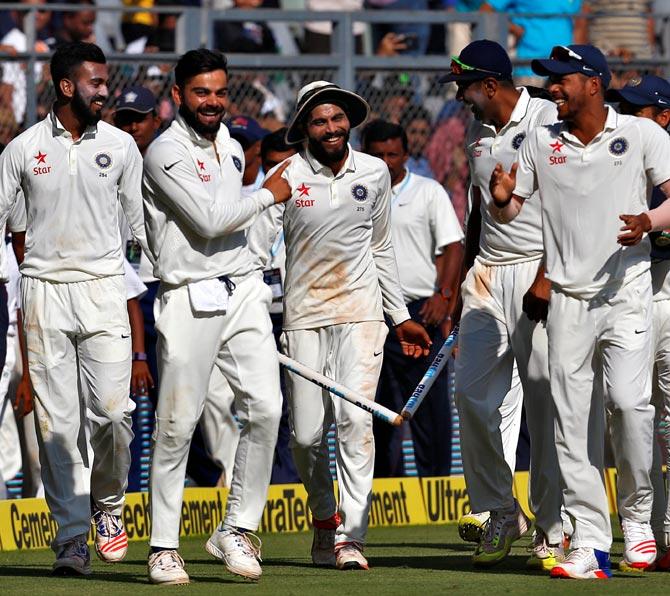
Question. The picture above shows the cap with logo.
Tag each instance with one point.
(647, 90)
(246, 130)
(479, 60)
(585, 59)
(138, 99)
(320, 92)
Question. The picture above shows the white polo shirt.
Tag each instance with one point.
(423, 222)
(340, 263)
(584, 189)
(521, 239)
(72, 190)
(195, 214)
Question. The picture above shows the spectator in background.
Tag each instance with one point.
(535, 35)
(417, 123)
(13, 88)
(137, 24)
(76, 25)
(318, 33)
(393, 98)
(245, 99)
(247, 37)
(446, 154)
(416, 35)
(459, 35)
(621, 28)
(248, 133)
(427, 238)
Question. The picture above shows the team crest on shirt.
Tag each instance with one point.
(103, 160)
(618, 146)
(359, 192)
(517, 140)
(238, 163)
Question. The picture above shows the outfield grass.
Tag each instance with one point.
(409, 560)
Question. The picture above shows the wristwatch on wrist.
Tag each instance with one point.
(141, 356)
(445, 293)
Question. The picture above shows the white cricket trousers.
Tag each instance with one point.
(494, 333)
(240, 343)
(660, 517)
(613, 332)
(79, 348)
(351, 354)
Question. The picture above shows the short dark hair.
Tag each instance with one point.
(379, 131)
(275, 142)
(196, 62)
(414, 112)
(70, 56)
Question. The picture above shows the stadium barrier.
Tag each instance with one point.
(27, 524)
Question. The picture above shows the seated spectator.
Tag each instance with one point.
(621, 28)
(76, 25)
(415, 35)
(246, 37)
(446, 154)
(137, 24)
(416, 122)
(318, 34)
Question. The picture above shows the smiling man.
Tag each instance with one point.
(341, 278)
(74, 170)
(589, 172)
(504, 298)
(212, 311)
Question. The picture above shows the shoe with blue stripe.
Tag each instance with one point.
(584, 563)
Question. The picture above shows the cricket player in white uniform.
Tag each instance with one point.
(427, 239)
(649, 97)
(590, 172)
(341, 278)
(503, 296)
(74, 170)
(212, 311)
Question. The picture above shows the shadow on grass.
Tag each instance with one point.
(466, 547)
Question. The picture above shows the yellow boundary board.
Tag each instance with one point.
(28, 524)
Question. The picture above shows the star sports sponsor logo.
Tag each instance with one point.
(303, 189)
(41, 159)
(201, 168)
(556, 148)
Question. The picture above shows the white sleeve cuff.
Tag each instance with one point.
(265, 197)
(398, 316)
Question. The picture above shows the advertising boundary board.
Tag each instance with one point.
(27, 524)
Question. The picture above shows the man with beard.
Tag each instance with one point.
(212, 311)
(341, 278)
(504, 298)
(74, 170)
(589, 172)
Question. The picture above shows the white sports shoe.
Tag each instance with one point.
(237, 551)
(471, 526)
(111, 541)
(349, 556)
(502, 529)
(639, 550)
(323, 547)
(73, 558)
(167, 567)
(584, 563)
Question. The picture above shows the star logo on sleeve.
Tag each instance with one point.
(41, 157)
(201, 164)
(557, 146)
(303, 189)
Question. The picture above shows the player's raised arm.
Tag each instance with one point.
(506, 205)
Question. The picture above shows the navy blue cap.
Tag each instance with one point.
(247, 128)
(138, 99)
(563, 60)
(479, 60)
(647, 90)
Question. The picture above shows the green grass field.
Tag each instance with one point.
(408, 560)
